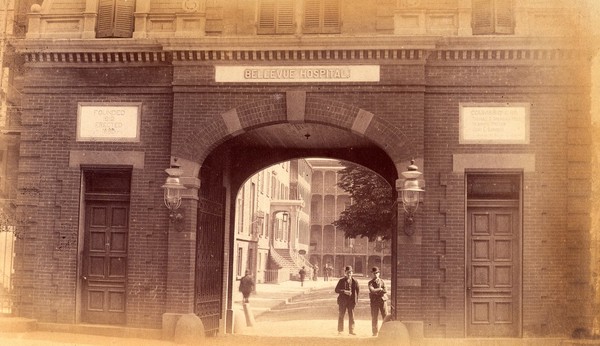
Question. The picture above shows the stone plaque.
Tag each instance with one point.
(499, 123)
(114, 122)
(295, 74)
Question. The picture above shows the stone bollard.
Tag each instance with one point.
(189, 330)
(239, 321)
(394, 333)
(249, 315)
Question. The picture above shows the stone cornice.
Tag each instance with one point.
(307, 56)
(98, 57)
(299, 55)
(309, 49)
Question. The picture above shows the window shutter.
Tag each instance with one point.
(331, 16)
(483, 17)
(104, 26)
(123, 26)
(285, 17)
(504, 17)
(266, 17)
(312, 16)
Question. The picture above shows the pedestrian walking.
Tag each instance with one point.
(315, 272)
(246, 286)
(378, 297)
(302, 274)
(326, 272)
(347, 290)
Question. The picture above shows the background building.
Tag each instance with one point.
(328, 245)
(272, 222)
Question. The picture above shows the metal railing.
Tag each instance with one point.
(277, 275)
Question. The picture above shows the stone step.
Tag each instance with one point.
(101, 330)
(17, 324)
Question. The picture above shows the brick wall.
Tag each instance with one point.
(48, 255)
(416, 109)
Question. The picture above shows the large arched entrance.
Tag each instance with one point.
(250, 137)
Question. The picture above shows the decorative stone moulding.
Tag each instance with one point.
(302, 55)
(191, 6)
(274, 55)
(96, 57)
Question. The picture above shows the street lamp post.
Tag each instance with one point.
(411, 195)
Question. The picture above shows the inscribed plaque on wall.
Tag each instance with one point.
(494, 123)
(114, 122)
(294, 74)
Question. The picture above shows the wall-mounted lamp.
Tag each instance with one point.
(411, 192)
(173, 189)
(285, 217)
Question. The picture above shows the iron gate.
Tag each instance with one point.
(209, 264)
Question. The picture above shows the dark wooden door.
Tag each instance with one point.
(493, 270)
(105, 262)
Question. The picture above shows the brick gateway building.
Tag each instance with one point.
(491, 102)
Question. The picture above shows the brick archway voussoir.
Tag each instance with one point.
(199, 141)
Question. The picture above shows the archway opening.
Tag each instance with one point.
(233, 167)
(295, 234)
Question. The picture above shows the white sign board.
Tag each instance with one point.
(499, 123)
(114, 122)
(295, 74)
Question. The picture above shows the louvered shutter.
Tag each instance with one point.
(483, 17)
(123, 26)
(331, 16)
(266, 17)
(285, 17)
(321, 16)
(504, 17)
(115, 18)
(104, 23)
(312, 16)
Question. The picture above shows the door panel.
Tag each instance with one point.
(493, 271)
(105, 262)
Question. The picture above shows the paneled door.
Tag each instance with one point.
(105, 262)
(493, 269)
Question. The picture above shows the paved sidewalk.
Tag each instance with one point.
(269, 296)
(303, 333)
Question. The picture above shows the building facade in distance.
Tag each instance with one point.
(329, 245)
(271, 222)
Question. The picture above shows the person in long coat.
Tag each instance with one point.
(347, 289)
(377, 297)
(246, 286)
(302, 274)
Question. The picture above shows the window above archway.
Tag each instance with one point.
(318, 16)
(493, 17)
(115, 18)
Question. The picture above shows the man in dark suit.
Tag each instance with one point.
(377, 296)
(347, 290)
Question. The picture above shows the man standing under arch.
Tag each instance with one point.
(347, 288)
(377, 297)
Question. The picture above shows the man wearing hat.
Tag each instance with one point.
(347, 290)
(377, 296)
